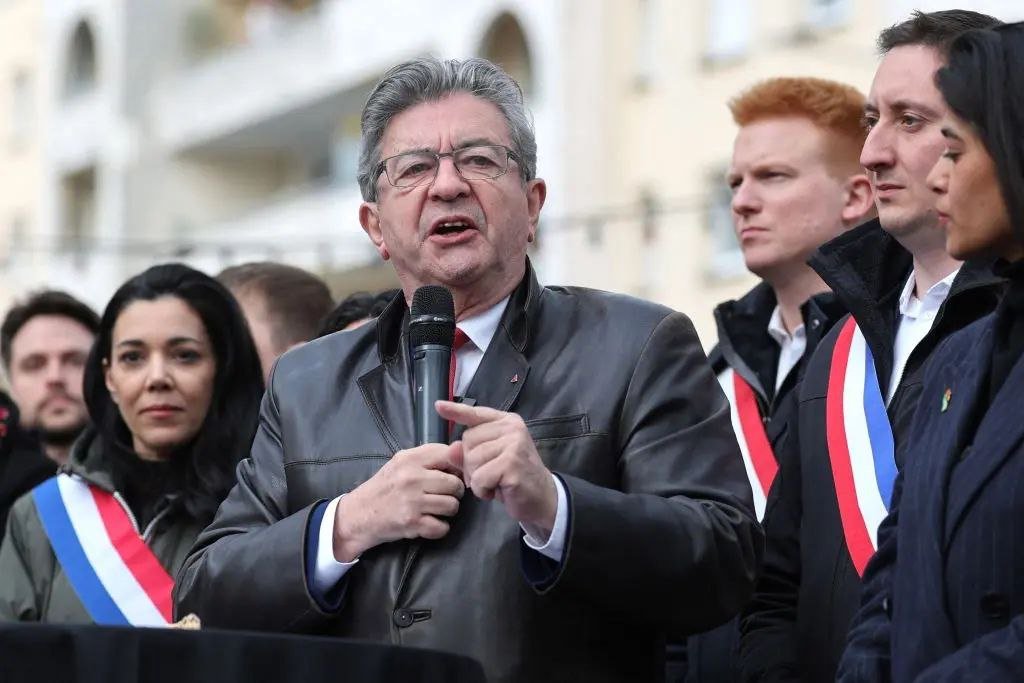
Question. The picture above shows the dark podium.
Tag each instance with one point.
(36, 653)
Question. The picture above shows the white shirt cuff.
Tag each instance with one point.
(328, 570)
(554, 547)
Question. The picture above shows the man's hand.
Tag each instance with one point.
(404, 499)
(499, 460)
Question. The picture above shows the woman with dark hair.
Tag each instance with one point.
(173, 385)
(944, 596)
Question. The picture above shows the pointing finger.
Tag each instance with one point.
(467, 415)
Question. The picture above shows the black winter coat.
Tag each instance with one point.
(795, 626)
(745, 346)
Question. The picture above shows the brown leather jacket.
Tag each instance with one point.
(622, 405)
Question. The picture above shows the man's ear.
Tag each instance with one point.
(859, 204)
(369, 218)
(106, 380)
(536, 193)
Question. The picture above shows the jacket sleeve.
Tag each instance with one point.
(678, 545)
(867, 656)
(247, 569)
(19, 599)
(768, 647)
(996, 656)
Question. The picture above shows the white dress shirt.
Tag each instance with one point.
(791, 346)
(916, 318)
(480, 330)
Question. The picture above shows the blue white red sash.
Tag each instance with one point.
(114, 573)
(860, 444)
(758, 457)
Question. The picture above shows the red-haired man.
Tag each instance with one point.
(796, 183)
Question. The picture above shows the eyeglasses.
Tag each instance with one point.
(481, 162)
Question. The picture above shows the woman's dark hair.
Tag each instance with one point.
(983, 83)
(206, 467)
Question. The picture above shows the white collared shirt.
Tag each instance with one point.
(791, 346)
(480, 329)
(916, 318)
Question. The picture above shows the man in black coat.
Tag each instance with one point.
(943, 597)
(44, 341)
(593, 499)
(22, 463)
(904, 294)
(797, 182)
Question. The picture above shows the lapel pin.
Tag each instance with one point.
(515, 378)
(946, 396)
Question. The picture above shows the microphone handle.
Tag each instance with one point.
(431, 364)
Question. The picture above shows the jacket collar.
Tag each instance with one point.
(518, 318)
(743, 340)
(867, 269)
(500, 377)
(87, 461)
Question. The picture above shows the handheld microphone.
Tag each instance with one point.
(431, 332)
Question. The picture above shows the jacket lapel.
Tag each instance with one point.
(499, 378)
(995, 437)
(389, 398)
(387, 388)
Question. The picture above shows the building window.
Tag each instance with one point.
(594, 227)
(504, 44)
(345, 151)
(14, 240)
(79, 211)
(646, 51)
(730, 28)
(828, 13)
(81, 71)
(22, 108)
(726, 257)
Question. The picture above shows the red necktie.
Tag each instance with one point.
(457, 343)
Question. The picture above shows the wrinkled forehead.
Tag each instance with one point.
(456, 120)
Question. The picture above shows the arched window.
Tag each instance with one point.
(81, 71)
(505, 45)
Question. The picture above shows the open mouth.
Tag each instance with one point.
(452, 227)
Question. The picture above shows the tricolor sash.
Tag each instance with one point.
(860, 443)
(758, 457)
(114, 573)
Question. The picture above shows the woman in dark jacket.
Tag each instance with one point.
(173, 385)
(944, 595)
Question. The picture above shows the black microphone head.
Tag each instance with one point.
(432, 316)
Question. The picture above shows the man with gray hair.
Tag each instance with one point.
(593, 498)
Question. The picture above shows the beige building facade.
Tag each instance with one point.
(647, 202)
(219, 131)
(22, 141)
